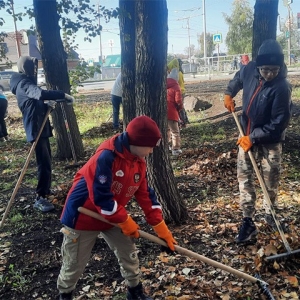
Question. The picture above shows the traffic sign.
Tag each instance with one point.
(217, 38)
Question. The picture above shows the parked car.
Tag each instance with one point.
(4, 80)
(41, 80)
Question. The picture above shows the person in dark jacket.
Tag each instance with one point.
(31, 99)
(266, 111)
(3, 112)
(105, 184)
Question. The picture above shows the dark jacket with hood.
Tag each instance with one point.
(106, 183)
(266, 107)
(31, 98)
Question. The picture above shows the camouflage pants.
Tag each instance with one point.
(268, 158)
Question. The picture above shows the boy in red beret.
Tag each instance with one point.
(105, 184)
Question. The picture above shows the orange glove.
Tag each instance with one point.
(130, 228)
(245, 143)
(229, 103)
(164, 233)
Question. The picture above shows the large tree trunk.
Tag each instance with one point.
(150, 98)
(54, 60)
(264, 24)
(127, 33)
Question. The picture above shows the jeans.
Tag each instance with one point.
(43, 160)
(116, 102)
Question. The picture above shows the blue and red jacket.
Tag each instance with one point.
(106, 183)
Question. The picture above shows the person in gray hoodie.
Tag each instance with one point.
(30, 98)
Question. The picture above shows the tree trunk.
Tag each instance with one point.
(264, 24)
(150, 98)
(127, 33)
(54, 60)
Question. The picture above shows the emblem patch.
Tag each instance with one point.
(137, 177)
(120, 173)
(102, 178)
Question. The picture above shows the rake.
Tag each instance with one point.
(261, 284)
(289, 253)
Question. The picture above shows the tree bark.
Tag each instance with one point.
(127, 36)
(150, 97)
(264, 24)
(54, 60)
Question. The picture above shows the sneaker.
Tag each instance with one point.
(65, 296)
(43, 204)
(270, 221)
(247, 231)
(176, 151)
(137, 293)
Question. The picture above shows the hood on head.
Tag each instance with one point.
(173, 64)
(28, 65)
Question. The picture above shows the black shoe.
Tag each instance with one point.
(247, 231)
(137, 293)
(270, 221)
(65, 296)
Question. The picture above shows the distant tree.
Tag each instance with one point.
(190, 50)
(210, 46)
(147, 40)
(264, 23)
(240, 24)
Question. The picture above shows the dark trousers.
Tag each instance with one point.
(3, 108)
(43, 160)
(116, 102)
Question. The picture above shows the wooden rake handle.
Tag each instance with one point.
(263, 187)
(180, 250)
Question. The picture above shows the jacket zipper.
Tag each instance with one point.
(250, 103)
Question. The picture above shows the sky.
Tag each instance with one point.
(180, 14)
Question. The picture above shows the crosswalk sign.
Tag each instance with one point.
(217, 38)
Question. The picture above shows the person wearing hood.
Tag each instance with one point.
(30, 98)
(266, 111)
(174, 106)
(176, 63)
(105, 184)
(3, 112)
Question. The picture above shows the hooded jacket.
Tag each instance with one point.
(106, 183)
(174, 97)
(266, 104)
(31, 98)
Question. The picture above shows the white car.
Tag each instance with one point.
(41, 80)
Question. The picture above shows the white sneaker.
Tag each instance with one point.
(176, 151)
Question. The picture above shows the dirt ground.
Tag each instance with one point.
(30, 256)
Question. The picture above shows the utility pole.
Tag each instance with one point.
(189, 36)
(204, 32)
(18, 36)
(100, 43)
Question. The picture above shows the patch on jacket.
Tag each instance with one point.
(120, 173)
(102, 178)
(137, 177)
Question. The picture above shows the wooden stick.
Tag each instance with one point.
(180, 250)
